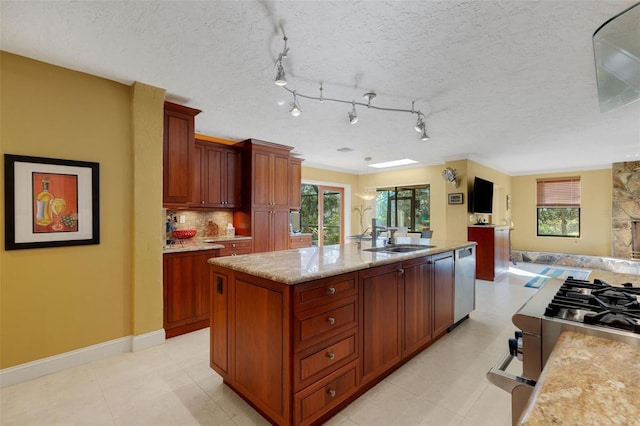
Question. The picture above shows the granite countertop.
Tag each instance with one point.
(587, 380)
(305, 264)
(204, 243)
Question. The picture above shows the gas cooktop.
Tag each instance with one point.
(597, 303)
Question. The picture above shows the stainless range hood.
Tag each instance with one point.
(616, 47)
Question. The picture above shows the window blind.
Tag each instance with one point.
(558, 192)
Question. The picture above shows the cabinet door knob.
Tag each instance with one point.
(331, 290)
(233, 245)
(331, 320)
(331, 393)
(202, 202)
(331, 355)
(400, 271)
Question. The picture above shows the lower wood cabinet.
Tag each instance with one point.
(235, 247)
(300, 353)
(299, 241)
(186, 291)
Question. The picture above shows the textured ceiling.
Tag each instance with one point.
(509, 84)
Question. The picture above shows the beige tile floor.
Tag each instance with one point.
(172, 384)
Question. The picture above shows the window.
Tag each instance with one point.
(558, 206)
(321, 213)
(407, 206)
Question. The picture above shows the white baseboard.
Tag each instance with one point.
(42, 367)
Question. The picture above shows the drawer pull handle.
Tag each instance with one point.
(331, 320)
(331, 290)
(331, 355)
(331, 393)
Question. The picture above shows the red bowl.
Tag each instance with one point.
(183, 234)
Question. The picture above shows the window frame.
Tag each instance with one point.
(559, 194)
(392, 204)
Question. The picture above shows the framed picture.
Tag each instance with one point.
(50, 202)
(455, 198)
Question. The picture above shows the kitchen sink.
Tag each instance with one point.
(399, 248)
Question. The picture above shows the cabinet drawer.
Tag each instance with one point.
(324, 291)
(299, 241)
(311, 403)
(236, 247)
(316, 362)
(323, 322)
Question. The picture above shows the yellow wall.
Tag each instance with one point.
(53, 300)
(595, 215)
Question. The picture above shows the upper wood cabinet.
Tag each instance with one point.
(295, 180)
(271, 178)
(217, 181)
(178, 153)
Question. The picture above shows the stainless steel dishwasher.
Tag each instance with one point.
(465, 284)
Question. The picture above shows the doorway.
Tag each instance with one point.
(322, 213)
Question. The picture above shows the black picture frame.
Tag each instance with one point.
(35, 217)
(456, 198)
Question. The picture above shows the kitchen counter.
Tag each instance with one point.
(306, 264)
(587, 380)
(195, 244)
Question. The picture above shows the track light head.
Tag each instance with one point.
(419, 124)
(424, 136)
(280, 79)
(295, 109)
(353, 117)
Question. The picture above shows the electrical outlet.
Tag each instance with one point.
(183, 218)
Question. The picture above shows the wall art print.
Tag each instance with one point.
(50, 202)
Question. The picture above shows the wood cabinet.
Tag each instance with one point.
(295, 182)
(492, 252)
(299, 353)
(235, 247)
(418, 305)
(405, 307)
(443, 281)
(381, 323)
(265, 211)
(186, 291)
(178, 154)
(217, 176)
(299, 241)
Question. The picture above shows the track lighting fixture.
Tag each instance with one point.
(353, 117)
(295, 109)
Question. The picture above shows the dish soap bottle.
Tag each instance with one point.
(231, 231)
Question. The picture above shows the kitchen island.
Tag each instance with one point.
(301, 333)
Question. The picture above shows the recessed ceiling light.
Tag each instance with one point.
(394, 163)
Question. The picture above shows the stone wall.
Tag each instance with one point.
(625, 209)
(619, 266)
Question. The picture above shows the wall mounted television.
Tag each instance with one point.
(482, 196)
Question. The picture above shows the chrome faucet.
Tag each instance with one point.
(374, 232)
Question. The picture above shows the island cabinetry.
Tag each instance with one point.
(178, 154)
(443, 279)
(186, 291)
(418, 305)
(299, 241)
(492, 252)
(217, 182)
(380, 318)
(405, 307)
(235, 247)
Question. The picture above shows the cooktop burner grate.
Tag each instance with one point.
(597, 303)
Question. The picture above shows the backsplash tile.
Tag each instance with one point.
(207, 223)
